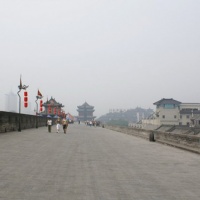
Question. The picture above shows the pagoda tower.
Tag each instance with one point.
(53, 108)
(85, 112)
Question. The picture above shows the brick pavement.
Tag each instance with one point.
(91, 163)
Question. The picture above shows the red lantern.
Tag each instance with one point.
(41, 102)
(54, 111)
(25, 99)
(49, 109)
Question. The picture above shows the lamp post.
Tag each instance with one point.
(36, 111)
(21, 87)
(39, 96)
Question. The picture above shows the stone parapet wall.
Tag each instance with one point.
(131, 131)
(183, 141)
(190, 141)
(10, 121)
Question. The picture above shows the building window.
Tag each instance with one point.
(188, 124)
(180, 116)
(188, 116)
(169, 106)
(174, 116)
(163, 116)
(180, 123)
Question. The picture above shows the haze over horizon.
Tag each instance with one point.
(112, 54)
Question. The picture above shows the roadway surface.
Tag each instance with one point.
(91, 163)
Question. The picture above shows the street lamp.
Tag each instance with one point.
(39, 96)
(21, 87)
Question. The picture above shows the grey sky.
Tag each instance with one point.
(110, 53)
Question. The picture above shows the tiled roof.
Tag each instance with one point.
(167, 101)
(53, 102)
(85, 105)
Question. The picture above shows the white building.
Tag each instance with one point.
(173, 112)
(11, 102)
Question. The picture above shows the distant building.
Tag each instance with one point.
(173, 112)
(53, 108)
(85, 112)
(11, 102)
(168, 111)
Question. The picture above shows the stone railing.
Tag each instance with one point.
(183, 141)
(131, 131)
(10, 121)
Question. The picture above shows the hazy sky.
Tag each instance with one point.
(109, 53)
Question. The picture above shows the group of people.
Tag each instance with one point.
(92, 123)
(59, 123)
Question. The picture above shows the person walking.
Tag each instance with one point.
(65, 125)
(49, 124)
(58, 125)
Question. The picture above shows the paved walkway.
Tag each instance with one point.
(91, 163)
